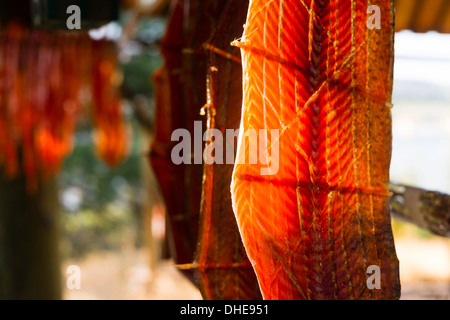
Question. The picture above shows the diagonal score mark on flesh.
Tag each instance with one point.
(313, 97)
(311, 207)
(273, 246)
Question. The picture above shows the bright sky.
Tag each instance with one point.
(421, 144)
(422, 56)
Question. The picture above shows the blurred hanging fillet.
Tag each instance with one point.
(54, 83)
(112, 135)
(181, 90)
(315, 71)
(9, 60)
(42, 75)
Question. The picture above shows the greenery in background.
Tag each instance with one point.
(406, 229)
(102, 205)
(143, 57)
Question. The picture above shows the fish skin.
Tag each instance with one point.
(223, 269)
(202, 231)
(314, 71)
(181, 91)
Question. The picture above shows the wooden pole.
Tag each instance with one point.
(29, 233)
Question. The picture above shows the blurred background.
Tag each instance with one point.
(111, 221)
(421, 154)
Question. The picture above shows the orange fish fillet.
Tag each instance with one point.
(316, 227)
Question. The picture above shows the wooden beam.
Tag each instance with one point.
(429, 210)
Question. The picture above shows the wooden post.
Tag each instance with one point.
(29, 234)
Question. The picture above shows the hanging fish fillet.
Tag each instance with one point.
(198, 39)
(313, 210)
(43, 77)
(181, 88)
(223, 270)
(112, 135)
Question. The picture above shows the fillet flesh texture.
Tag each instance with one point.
(319, 226)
